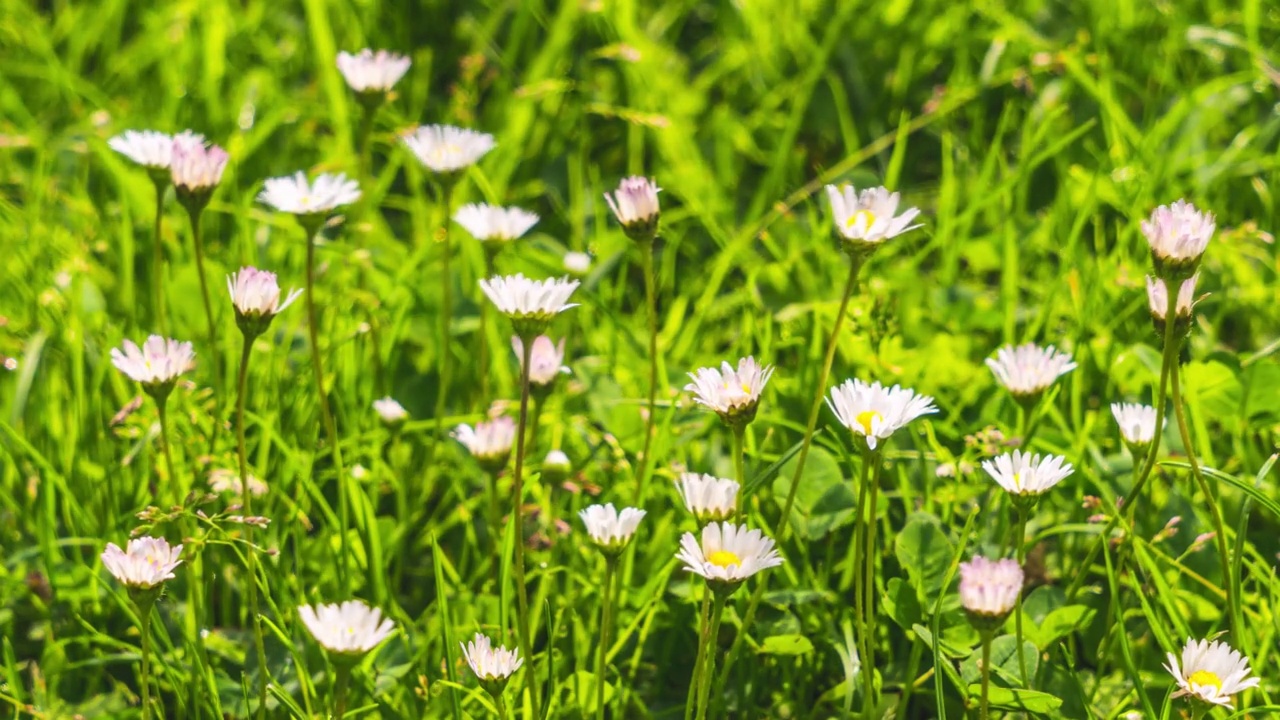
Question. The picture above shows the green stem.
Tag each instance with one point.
(739, 469)
(1019, 545)
(197, 239)
(986, 675)
(522, 595)
(326, 416)
(145, 621)
(446, 313)
(651, 299)
(606, 628)
(785, 522)
(251, 557)
(869, 699)
(484, 328)
(341, 680)
(709, 660)
(157, 271)
(495, 513)
(501, 705)
(162, 408)
(1215, 510)
(704, 617)
(855, 572)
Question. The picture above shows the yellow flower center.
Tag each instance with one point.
(1205, 678)
(866, 217)
(866, 418)
(724, 558)
(351, 630)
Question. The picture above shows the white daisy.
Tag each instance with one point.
(488, 442)
(1025, 474)
(868, 218)
(1137, 422)
(732, 394)
(148, 562)
(728, 554)
(709, 498)
(989, 590)
(222, 480)
(1178, 235)
(351, 629)
(635, 205)
(293, 194)
(489, 663)
(389, 411)
(531, 304)
(151, 149)
(446, 149)
(195, 169)
(1211, 672)
(1158, 298)
(256, 294)
(1028, 370)
(609, 528)
(157, 364)
(874, 412)
(490, 223)
(371, 71)
(546, 359)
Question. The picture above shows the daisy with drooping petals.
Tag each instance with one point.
(732, 394)
(372, 73)
(1178, 235)
(1028, 370)
(157, 365)
(1137, 423)
(728, 554)
(146, 563)
(989, 590)
(610, 529)
(448, 149)
(546, 359)
(390, 412)
(350, 629)
(493, 225)
(1158, 303)
(874, 412)
(295, 195)
(493, 666)
(1027, 475)
(709, 498)
(151, 149)
(867, 219)
(1210, 672)
(256, 296)
(531, 304)
(489, 442)
(635, 205)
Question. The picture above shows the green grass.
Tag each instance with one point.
(1034, 139)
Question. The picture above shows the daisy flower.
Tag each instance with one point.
(494, 666)
(146, 563)
(151, 149)
(372, 73)
(222, 480)
(294, 194)
(709, 498)
(577, 263)
(1158, 303)
(350, 629)
(1026, 475)
(727, 555)
(609, 529)
(546, 359)
(390, 412)
(989, 591)
(488, 442)
(731, 394)
(1028, 370)
(1178, 235)
(635, 205)
(256, 296)
(448, 149)
(157, 365)
(195, 171)
(867, 219)
(1137, 423)
(874, 412)
(493, 224)
(531, 304)
(1210, 672)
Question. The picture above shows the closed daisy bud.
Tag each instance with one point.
(312, 202)
(195, 171)
(989, 591)
(391, 413)
(609, 529)
(372, 74)
(865, 220)
(873, 412)
(546, 360)
(157, 365)
(1027, 370)
(1210, 672)
(489, 442)
(493, 666)
(494, 226)
(1178, 235)
(1137, 424)
(146, 563)
(446, 149)
(1158, 303)
(256, 296)
(635, 205)
(732, 394)
(709, 498)
(556, 466)
(727, 555)
(347, 631)
(1027, 476)
(530, 304)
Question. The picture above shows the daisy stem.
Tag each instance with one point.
(606, 629)
(363, 135)
(859, 588)
(784, 522)
(198, 241)
(326, 416)
(986, 676)
(446, 312)
(704, 617)
(1215, 511)
(501, 705)
(157, 271)
(251, 557)
(1019, 546)
(522, 595)
(495, 513)
(341, 679)
(651, 299)
(709, 655)
(144, 618)
(489, 257)
(162, 403)
(739, 467)
(871, 458)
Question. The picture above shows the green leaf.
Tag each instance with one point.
(1214, 388)
(947, 647)
(1004, 660)
(1031, 701)
(1059, 624)
(786, 645)
(824, 500)
(925, 551)
(902, 604)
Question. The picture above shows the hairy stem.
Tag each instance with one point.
(145, 622)
(522, 594)
(606, 628)
(869, 580)
(1019, 552)
(986, 676)
(251, 556)
(739, 469)
(643, 465)
(709, 655)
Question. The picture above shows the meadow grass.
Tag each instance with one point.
(1034, 138)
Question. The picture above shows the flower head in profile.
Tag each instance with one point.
(1178, 235)
(156, 365)
(868, 218)
(1158, 303)
(311, 200)
(222, 480)
(151, 149)
(493, 666)
(733, 394)
(874, 412)
(1137, 423)
(1027, 476)
(494, 225)
(727, 554)
(610, 529)
(195, 170)
(635, 205)
(391, 413)
(448, 149)
(531, 304)
(546, 359)
(556, 466)
(256, 296)
(1210, 672)
(989, 591)
(146, 563)
(709, 498)
(577, 263)
(488, 442)
(1028, 370)
(348, 629)
(372, 73)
